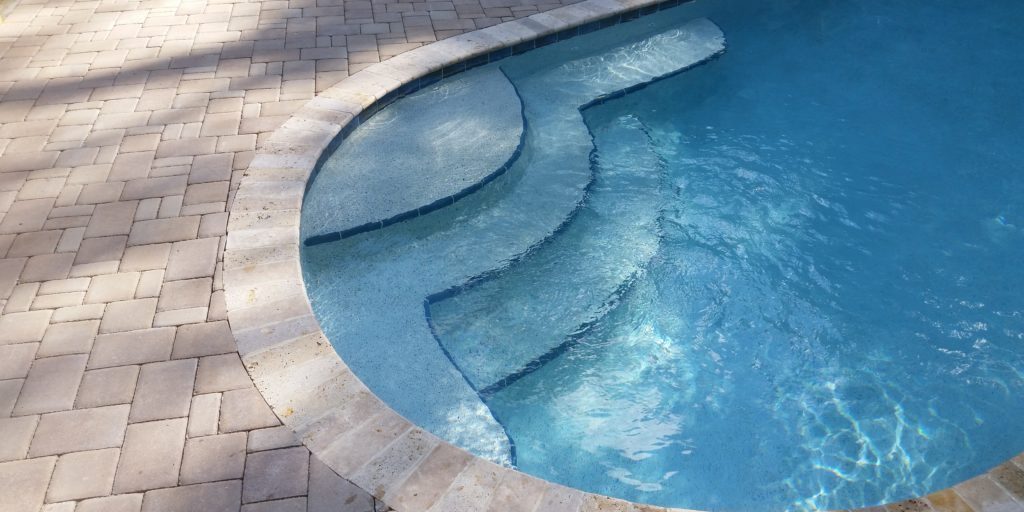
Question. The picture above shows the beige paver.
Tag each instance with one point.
(327, 489)
(151, 456)
(23, 327)
(134, 347)
(26, 216)
(164, 390)
(86, 429)
(205, 339)
(210, 497)
(163, 230)
(193, 258)
(51, 385)
(129, 315)
(119, 503)
(276, 474)
(15, 360)
(221, 373)
(83, 475)
(271, 439)
(145, 257)
(16, 434)
(47, 267)
(285, 505)
(9, 390)
(112, 288)
(23, 483)
(110, 219)
(213, 458)
(204, 416)
(107, 386)
(69, 338)
(189, 293)
(245, 409)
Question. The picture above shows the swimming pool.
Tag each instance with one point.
(785, 278)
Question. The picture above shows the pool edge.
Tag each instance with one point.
(297, 370)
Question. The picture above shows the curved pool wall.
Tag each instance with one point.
(821, 326)
(370, 296)
(301, 376)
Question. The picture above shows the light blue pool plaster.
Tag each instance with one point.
(370, 292)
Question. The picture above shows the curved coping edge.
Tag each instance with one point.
(298, 371)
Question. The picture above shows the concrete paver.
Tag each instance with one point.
(151, 456)
(83, 475)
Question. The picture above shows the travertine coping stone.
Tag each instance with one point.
(287, 355)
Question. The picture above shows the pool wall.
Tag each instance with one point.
(305, 381)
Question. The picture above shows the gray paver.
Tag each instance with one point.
(9, 390)
(164, 390)
(163, 230)
(276, 474)
(151, 456)
(23, 327)
(112, 287)
(245, 409)
(189, 293)
(129, 315)
(80, 430)
(145, 257)
(203, 340)
(193, 258)
(271, 438)
(213, 458)
(47, 267)
(111, 219)
(286, 505)
(221, 373)
(134, 347)
(16, 434)
(327, 490)
(204, 415)
(107, 386)
(69, 338)
(118, 503)
(23, 483)
(212, 497)
(83, 475)
(15, 360)
(51, 385)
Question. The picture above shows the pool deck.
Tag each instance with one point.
(125, 129)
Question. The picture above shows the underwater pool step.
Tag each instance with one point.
(505, 327)
(420, 154)
(370, 291)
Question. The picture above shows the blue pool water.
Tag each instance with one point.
(793, 282)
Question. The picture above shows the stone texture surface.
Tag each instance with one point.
(151, 456)
(213, 458)
(276, 474)
(23, 483)
(83, 475)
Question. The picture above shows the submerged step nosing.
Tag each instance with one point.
(702, 27)
(433, 206)
(357, 298)
(448, 71)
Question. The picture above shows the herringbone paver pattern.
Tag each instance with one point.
(124, 127)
